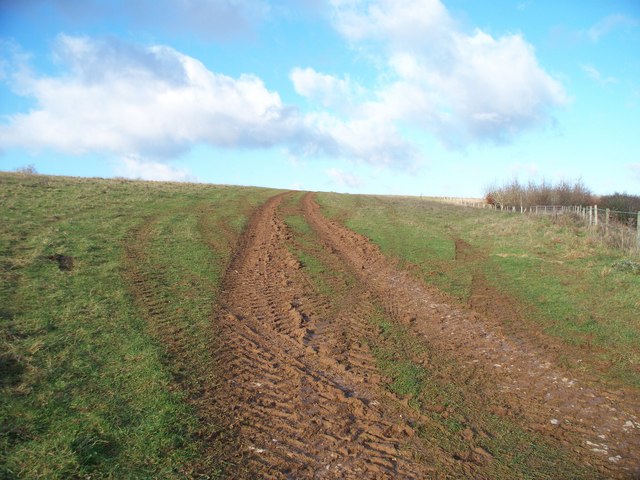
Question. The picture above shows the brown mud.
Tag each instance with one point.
(302, 391)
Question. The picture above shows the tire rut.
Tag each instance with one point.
(192, 375)
(602, 426)
(300, 400)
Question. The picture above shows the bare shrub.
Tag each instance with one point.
(27, 170)
(623, 207)
(564, 193)
(621, 202)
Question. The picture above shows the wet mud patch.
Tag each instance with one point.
(65, 262)
(464, 251)
(12, 370)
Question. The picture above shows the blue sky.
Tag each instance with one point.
(414, 97)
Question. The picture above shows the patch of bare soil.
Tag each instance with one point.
(301, 387)
(601, 425)
(65, 262)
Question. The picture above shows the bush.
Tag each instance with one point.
(620, 202)
(27, 170)
(544, 193)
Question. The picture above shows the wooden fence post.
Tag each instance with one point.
(638, 231)
(606, 220)
(595, 215)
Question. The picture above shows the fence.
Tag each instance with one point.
(616, 228)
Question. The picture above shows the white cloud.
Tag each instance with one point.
(372, 139)
(155, 102)
(593, 73)
(461, 86)
(405, 23)
(345, 179)
(328, 89)
(607, 24)
(364, 130)
(136, 167)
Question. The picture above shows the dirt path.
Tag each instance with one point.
(303, 393)
(600, 425)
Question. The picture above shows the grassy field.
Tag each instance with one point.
(549, 279)
(90, 384)
(108, 292)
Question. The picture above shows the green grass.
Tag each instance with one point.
(89, 387)
(306, 249)
(570, 286)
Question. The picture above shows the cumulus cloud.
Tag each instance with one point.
(461, 86)
(138, 168)
(125, 99)
(155, 102)
(357, 128)
(344, 179)
(208, 19)
(328, 89)
(404, 23)
(373, 139)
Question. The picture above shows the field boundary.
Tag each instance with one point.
(616, 228)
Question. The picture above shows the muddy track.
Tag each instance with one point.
(302, 392)
(601, 425)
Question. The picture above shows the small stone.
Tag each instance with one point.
(555, 421)
(615, 459)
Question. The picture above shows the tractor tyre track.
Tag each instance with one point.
(299, 411)
(193, 376)
(601, 425)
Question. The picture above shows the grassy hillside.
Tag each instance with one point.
(106, 296)
(541, 279)
(108, 293)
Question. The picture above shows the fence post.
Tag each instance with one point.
(595, 215)
(638, 231)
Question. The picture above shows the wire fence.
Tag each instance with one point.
(616, 228)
